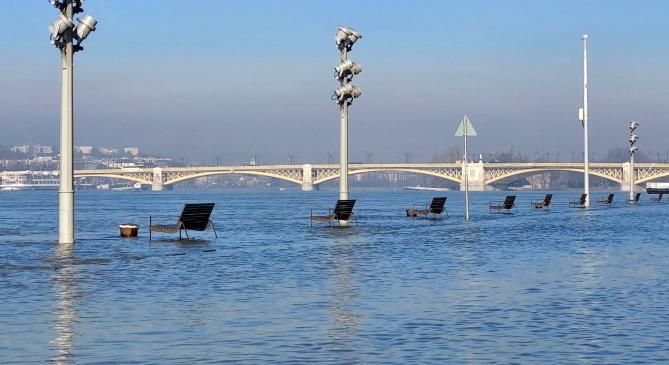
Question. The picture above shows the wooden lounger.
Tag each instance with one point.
(606, 201)
(544, 204)
(436, 207)
(636, 199)
(193, 217)
(657, 199)
(508, 206)
(342, 212)
(578, 203)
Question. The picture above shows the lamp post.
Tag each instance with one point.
(583, 116)
(63, 34)
(633, 148)
(344, 95)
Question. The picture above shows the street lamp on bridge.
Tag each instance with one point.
(344, 95)
(63, 34)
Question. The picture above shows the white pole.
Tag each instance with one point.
(586, 157)
(343, 140)
(631, 176)
(66, 188)
(466, 171)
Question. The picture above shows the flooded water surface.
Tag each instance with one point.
(560, 287)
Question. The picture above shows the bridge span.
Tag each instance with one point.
(481, 174)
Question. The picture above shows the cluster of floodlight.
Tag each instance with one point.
(344, 72)
(346, 92)
(346, 37)
(62, 24)
(633, 126)
(633, 137)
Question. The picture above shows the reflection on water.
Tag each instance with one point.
(66, 290)
(344, 289)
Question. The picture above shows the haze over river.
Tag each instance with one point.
(560, 287)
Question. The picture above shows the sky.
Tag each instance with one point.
(199, 79)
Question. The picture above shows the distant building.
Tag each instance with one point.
(24, 148)
(108, 150)
(42, 159)
(42, 149)
(84, 150)
(134, 151)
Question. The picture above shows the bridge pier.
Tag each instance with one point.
(157, 182)
(476, 177)
(307, 178)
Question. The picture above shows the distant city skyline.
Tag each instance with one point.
(235, 78)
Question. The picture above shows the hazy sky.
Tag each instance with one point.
(225, 77)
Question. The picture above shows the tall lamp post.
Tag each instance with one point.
(64, 33)
(583, 116)
(633, 148)
(344, 95)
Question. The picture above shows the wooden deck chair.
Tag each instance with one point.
(544, 204)
(508, 206)
(606, 201)
(436, 207)
(193, 217)
(636, 199)
(343, 211)
(657, 199)
(578, 203)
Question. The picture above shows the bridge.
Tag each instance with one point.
(481, 174)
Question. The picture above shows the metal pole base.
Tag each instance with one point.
(66, 217)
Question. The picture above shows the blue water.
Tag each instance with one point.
(562, 287)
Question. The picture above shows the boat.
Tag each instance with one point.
(28, 180)
(133, 187)
(657, 188)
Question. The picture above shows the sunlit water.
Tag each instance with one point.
(568, 286)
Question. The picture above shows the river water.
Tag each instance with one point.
(561, 287)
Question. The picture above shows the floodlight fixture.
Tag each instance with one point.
(353, 36)
(633, 126)
(339, 69)
(344, 92)
(347, 68)
(633, 149)
(633, 139)
(61, 4)
(59, 26)
(85, 27)
(346, 37)
(340, 36)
